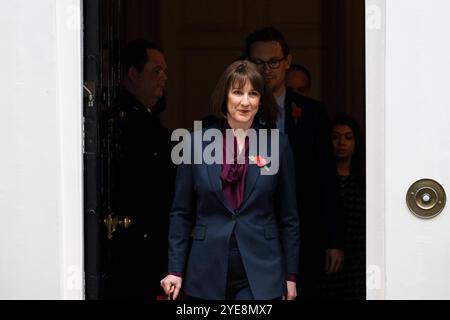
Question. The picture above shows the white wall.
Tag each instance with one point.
(417, 252)
(41, 150)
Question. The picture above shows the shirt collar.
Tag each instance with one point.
(281, 99)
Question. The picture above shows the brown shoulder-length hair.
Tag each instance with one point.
(235, 76)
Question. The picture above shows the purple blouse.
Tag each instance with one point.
(233, 174)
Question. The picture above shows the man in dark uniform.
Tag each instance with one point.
(305, 122)
(142, 175)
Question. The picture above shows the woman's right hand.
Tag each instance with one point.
(171, 286)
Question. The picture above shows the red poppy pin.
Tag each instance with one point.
(259, 161)
(296, 112)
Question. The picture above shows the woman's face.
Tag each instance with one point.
(242, 105)
(343, 141)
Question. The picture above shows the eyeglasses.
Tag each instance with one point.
(272, 64)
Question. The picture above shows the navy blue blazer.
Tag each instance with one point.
(266, 227)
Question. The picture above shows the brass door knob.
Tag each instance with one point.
(426, 198)
(112, 222)
(126, 222)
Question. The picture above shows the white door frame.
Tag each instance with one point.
(70, 97)
(375, 152)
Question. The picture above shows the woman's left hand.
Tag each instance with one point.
(291, 290)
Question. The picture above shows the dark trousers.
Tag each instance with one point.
(238, 287)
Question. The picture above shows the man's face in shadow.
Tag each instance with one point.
(298, 82)
(151, 81)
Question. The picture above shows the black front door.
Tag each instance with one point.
(117, 245)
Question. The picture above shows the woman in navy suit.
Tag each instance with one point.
(234, 230)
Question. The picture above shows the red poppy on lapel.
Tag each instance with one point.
(259, 161)
(297, 112)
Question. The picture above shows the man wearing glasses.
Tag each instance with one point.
(305, 122)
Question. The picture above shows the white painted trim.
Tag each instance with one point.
(375, 141)
(70, 101)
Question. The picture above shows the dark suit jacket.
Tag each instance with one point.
(265, 227)
(316, 178)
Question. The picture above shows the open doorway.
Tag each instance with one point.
(327, 38)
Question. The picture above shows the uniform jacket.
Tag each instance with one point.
(140, 178)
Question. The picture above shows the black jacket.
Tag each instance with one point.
(141, 176)
(316, 175)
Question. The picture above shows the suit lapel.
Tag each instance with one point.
(214, 171)
(216, 184)
(292, 124)
(288, 119)
(250, 181)
(254, 171)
